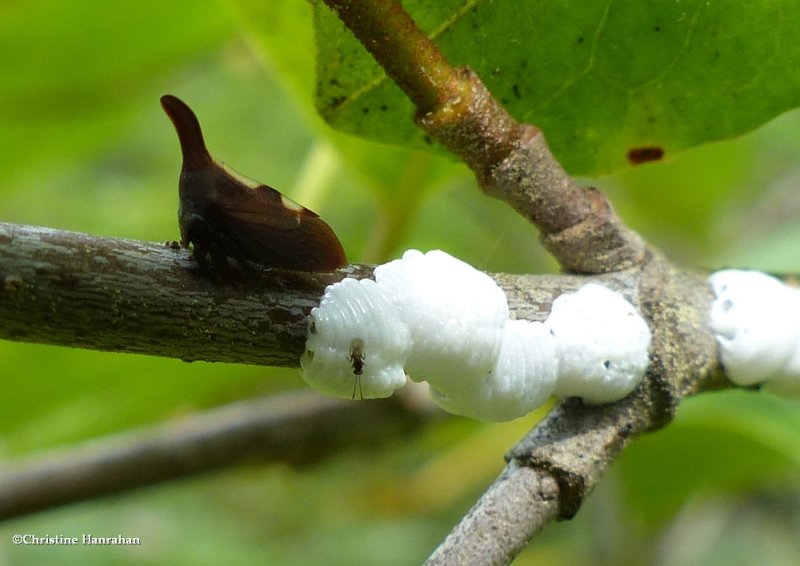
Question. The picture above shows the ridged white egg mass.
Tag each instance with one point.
(756, 319)
(455, 313)
(602, 344)
(438, 319)
(522, 379)
(356, 328)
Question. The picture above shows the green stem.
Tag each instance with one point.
(511, 160)
(406, 54)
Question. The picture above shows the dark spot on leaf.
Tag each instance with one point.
(639, 155)
(384, 108)
(515, 90)
(428, 140)
(336, 101)
(365, 110)
(580, 40)
(333, 82)
(657, 28)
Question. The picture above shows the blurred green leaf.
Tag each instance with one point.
(727, 441)
(57, 396)
(70, 68)
(282, 34)
(599, 78)
(777, 251)
(674, 202)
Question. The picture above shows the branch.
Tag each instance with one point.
(111, 294)
(558, 463)
(519, 503)
(71, 289)
(511, 160)
(298, 428)
(552, 470)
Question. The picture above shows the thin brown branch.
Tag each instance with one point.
(511, 160)
(71, 289)
(111, 294)
(514, 508)
(552, 469)
(298, 428)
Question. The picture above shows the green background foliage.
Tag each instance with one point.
(86, 147)
(601, 79)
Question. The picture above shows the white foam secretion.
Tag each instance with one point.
(454, 312)
(438, 319)
(522, 379)
(602, 344)
(756, 319)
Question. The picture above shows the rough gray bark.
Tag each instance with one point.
(111, 294)
(508, 514)
(120, 295)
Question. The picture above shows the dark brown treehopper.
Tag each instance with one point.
(226, 216)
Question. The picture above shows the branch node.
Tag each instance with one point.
(471, 123)
(598, 243)
(572, 488)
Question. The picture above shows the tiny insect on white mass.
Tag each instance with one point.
(435, 318)
(357, 361)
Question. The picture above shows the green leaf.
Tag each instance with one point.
(601, 78)
(728, 441)
(70, 69)
(281, 32)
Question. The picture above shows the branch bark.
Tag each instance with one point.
(575, 444)
(120, 295)
(111, 294)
